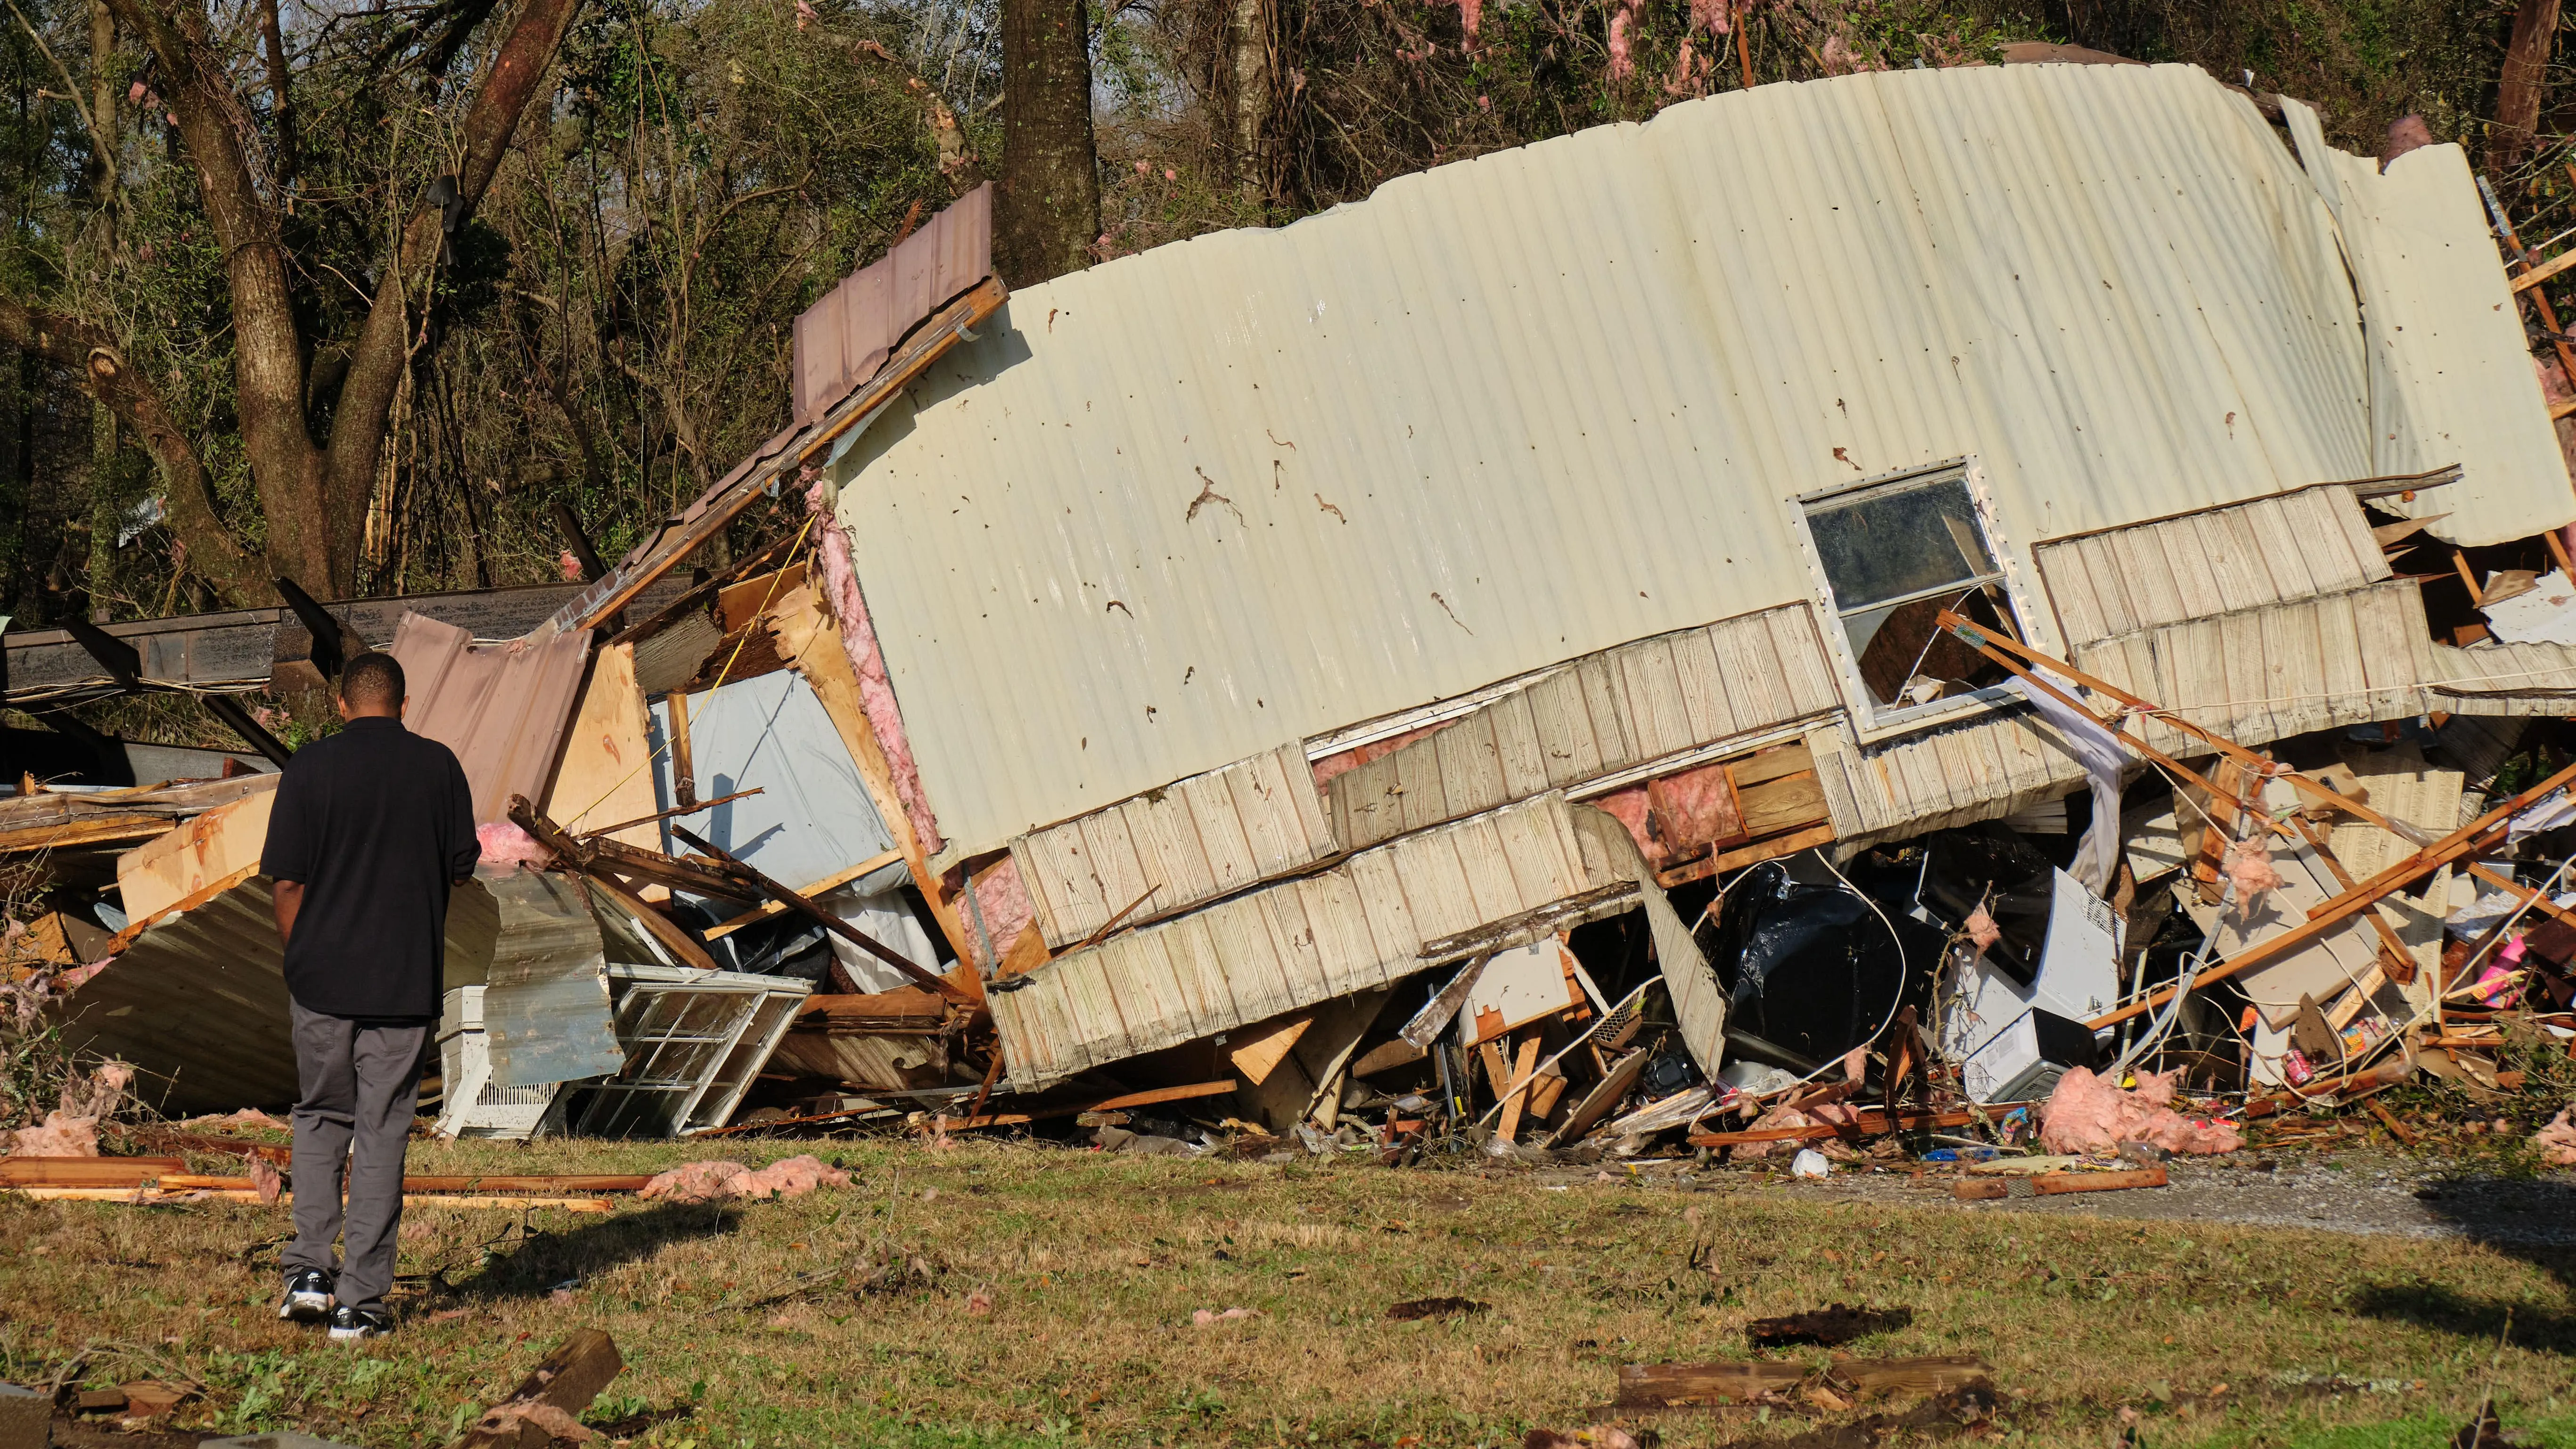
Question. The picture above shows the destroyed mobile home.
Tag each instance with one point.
(1874, 603)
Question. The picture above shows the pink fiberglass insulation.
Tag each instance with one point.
(506, 844)
(876, 691)
(2088, 1114)
(1343, 761)
(1003, 899)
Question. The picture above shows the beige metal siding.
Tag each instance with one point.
(2504, 679)
(1626, 707)
(1361, 924)
(1176, 507)
(2270, 551)
(2257, 676)
(1208, 836)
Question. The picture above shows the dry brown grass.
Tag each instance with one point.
(853, 1317)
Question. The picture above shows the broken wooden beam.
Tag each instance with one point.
(826, 919)
(547, 1404)
(2049, 1184)
(591, 857)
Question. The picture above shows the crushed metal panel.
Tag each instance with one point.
(546, 1011)
(2451, 380)
(2265, 674)
(1354, 927)
(842, 340)
(2139, 284)
(502, 708)
(2121, 581)
(198, 1003)
(1169, 849)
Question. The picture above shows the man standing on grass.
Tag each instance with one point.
(370, 830)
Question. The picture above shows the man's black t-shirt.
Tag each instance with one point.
(375, 822)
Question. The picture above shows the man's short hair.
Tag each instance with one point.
(372, 679)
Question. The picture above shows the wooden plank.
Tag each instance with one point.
(1792, 802)
(2133, 594)
(1754, 854)
(2052, 1183)
(1524, 1070)
(75, 835)
(827, 884)
(1938, 1374)
(2187, 563)
(2344, 506)
(1609, 1092)
(2236, 558)
(560, 1387)
(2543, 272)
(1167, 843)
(1677, 1385)
(222, 842)
(1256, 1051)
(605, 773)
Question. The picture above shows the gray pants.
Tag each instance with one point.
(360, 1082)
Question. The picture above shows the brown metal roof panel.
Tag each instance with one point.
(843, 339)
(502, 708)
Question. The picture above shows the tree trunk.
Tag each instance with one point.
(1252, 42)
(1048, 198)
(2526, 76)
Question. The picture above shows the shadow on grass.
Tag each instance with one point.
(539, 1262)
(2526, 1217)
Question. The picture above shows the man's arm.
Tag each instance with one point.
(469, 845)
(290, 899)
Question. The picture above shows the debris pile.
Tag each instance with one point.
(1989, 807)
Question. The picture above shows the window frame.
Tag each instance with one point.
(1871, 720)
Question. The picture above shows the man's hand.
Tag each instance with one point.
(289, 897)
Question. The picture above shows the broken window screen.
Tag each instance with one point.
(1895, 557)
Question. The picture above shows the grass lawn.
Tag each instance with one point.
(1007, 1295)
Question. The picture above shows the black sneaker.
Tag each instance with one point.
(308, 1296)
(352, 1325)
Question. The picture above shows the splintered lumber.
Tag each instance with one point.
(547, 1404)
(1869, 1124)
(592, 856)
(1980, 1189)
(821, 917)
(2051, 1183)
(150, 1197)
(1674, 1385)
(1107, 1104)
(1935, 1374)
(825, 886)
(2470, 839)
(85, 1171)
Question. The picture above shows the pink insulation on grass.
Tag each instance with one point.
(61, 1135)
(2088, 1114)
(876, 690)
(2557, 1141)
(718, 1180)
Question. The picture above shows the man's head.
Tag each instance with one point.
(371, 685)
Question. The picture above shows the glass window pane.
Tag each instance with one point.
(1881, 546)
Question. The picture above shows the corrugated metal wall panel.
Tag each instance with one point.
(2257, 676)
(503, 708)
(842, 340)
(1675, 694)
(1182, 505)
(2272, 550)
(1205, 837)
(1361, 924)
(2451, 379)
